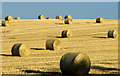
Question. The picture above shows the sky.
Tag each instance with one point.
(78, 10)
(60, 0)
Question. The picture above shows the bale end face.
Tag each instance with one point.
(8, 18)
(82, 60)
(68, 16)
(112, 34)
(68, 21)
(59, 17)
(77, 63)
(5, 23)
(66, 34)
(48, 18)
(41, 17)
(17, 18)
(99, 20)
(20, 49)
(52, 44)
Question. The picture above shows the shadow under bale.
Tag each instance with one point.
(59, 23)
(40, 73)
(37, 48)
(102, 68)
(87, 22)
(5, 55)
(43, 73)
(59, 37)
(99, 37)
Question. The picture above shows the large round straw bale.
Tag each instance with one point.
(112, 33)
(5, 23)
(52, 44)
(75, 63)
(59, 17)
(48, 18)
(99, 20)
(66, 33)
(20, 49)
(68, 21)
(17, 18)
(41, 17)
(68, 16)
(8, 18)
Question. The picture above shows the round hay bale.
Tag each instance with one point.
(17, 18)
(112, 34)
(41, 17)
(20, 49)
(68, 21)
(66, 33)
(52, 44)
(59, 17)
(5, 23)
(8, 18)
(48, 18)
(99, 20)
(68, 16)
(75, 63)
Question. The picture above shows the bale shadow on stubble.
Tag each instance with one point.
(103, 68)
(58, 37)
(40, 73)
(59, 23)
(55, 36)
(87, 22)
(38, 48)
(99, 37)
(5, 55)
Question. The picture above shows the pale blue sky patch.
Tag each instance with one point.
(78, 10)
(60, 0)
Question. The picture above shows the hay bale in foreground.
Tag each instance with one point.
(112, 34)
(68, 16)
(20, 49)
(59, 17)
(52, 44)
(48, 18)
(5, 23)
(66, 33)
(68, 21)
(75, 63)
(99, 20)
(8, 18)
(17, 18)
(41, 17)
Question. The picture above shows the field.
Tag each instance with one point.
(87, 36)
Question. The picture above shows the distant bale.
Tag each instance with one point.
(66, 33)
(99, 20)
(59, 17)
(68, 21)
(8, 18)
(75, 63)
(68, 16)
(5, 23)
(17, 18)
(52, 44)
(20, 49)
(48, 18)
(112, 34)
(41, 17)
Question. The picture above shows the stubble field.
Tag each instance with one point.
(87, 36)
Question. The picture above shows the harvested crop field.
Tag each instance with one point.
(88, 37)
